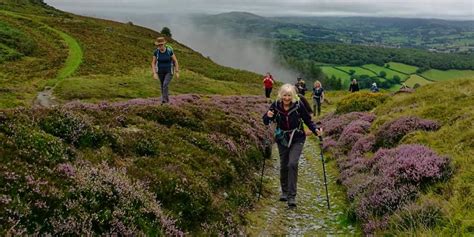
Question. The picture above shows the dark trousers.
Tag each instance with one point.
(289, 158)
(165, 79)
(268, 92)
(316, 105)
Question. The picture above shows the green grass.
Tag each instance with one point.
(330, 71)
(451, 104)
(405, 68)
(74, 58)
(390, 73)
(140, 84)
(415, 79)
(358, 70)
(439, 75)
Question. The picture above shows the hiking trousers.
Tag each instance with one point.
(289, 158)
(316, 105)
(165, 79)
(268, 92)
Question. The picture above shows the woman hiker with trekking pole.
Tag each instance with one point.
(289, 114)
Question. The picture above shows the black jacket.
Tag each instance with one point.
(354, 87)
(291, 119)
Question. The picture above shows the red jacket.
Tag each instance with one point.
(268, 82)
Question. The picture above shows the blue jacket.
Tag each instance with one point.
(291, 119)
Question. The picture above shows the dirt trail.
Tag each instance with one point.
(311, 217)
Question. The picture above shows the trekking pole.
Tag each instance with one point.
(324, 170)
(267, 153)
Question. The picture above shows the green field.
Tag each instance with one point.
(358, 70)
(290, 32)
(390, 73)
(331, 71)
(415, 79)
(438, 75)
(405, 68)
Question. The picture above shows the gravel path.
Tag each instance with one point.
(311, 217)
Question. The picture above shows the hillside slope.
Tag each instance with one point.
(407, 165)
(41, 46)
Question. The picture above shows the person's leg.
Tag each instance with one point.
(267, 92)
(284, 158)
(319, 106)
(315, 105)
(166, 84)
(294, 156)
(161, 76)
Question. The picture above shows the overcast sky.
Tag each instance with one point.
(445, 9)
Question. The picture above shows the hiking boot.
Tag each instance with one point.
(291, 202)
(283, 198)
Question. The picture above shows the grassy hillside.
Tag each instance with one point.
(41, 46)
(452, 105)
(406, 165)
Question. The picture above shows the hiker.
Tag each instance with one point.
(268, 85)
(318, 97)
(354, 86)
(374, 87)
(164, 65)
(289, 114)
(300, 86)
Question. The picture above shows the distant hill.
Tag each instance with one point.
(435, 34)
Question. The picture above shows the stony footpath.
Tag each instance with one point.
(311, 217)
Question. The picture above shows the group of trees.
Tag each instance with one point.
(357, 55)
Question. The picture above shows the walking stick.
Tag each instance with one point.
(267, 153)
(324, 170)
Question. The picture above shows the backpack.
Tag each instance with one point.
(306, 104)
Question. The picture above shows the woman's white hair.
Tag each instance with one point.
(288, 89)
(318, 82)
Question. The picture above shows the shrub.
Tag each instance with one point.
(352, 133)
(426, 215)
(390, 180)
(73, 127)
(38, 147)
(390, 133)
(361, 101)
(334, 124)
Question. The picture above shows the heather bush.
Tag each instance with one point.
(73, 127)
(361, 101)
(363, 145)
(335, 124)
(390, 133)
(161, 150)
(352, 133)
(390, 180)
(35, 146)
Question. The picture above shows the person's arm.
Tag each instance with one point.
(153, 68)
(176, 66)
(269, 116)
(322, 97)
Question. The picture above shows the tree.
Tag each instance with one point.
(166, 31)
(396, 79)
(351, 72)
(382, 74)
